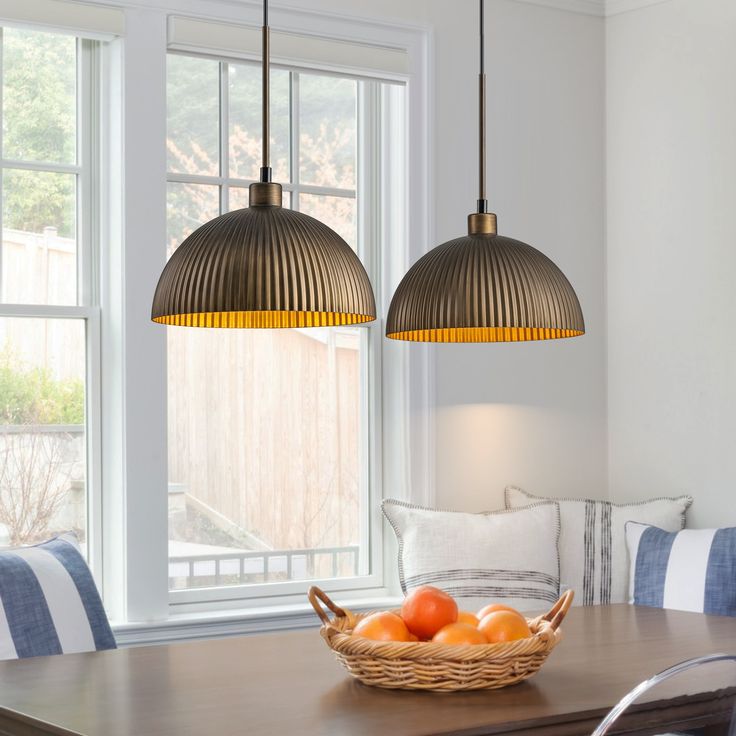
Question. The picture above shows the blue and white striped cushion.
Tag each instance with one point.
(690, 570)
(50, 604)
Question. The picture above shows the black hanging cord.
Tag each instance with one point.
(482, 39)
(266, 106)
(482, 201)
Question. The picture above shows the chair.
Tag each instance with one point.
(709, 678)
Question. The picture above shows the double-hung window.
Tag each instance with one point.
(279, 441)
(49, 303)
(273, 435)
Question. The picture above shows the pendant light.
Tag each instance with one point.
(264, 266)
(484, 287)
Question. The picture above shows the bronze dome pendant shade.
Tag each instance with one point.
(484, 287)
(264, 266)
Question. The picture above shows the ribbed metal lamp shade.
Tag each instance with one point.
(484, 288)
(264, 266)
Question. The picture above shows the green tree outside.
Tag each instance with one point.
(39, 124)
(33, 396)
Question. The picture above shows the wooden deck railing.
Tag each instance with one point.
(261, 566)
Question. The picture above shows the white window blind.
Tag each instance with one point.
(188, 34)
(91, 21)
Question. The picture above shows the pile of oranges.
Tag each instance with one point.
(430, 614)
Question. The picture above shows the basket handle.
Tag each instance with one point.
(557, 613)
(316, 595)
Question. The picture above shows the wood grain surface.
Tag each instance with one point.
(290, 684)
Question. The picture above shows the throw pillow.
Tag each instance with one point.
(50, 604)
(593, 557)
(499, 556)
(690, 570)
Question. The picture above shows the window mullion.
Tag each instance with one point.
(368, 174)
(89, 110)
(367, 194)
(46, 311)
(179, 178)
(327, 191)
(224, 137)
(89, 184)
(294, 132)
(93, 421)
(2, 108)
(43, 166)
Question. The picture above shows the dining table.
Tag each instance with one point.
(278, 684)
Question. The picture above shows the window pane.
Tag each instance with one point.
(193, 118)
(337, 212)
(327, 132)
(244, 82)
(39, 96)
(187, 207)
(252, 496)
(39, 249)
(238, 198)
(42, 434)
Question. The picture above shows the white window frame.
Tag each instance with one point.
(88, 207)
(134, 470)
(372, 112)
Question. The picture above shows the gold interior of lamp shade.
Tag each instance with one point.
(483, 334)
(263, 319)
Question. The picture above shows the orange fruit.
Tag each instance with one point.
(426, 610)
(466, 617)
(460, 633)
(382, 626)
(492, 607)
(504, 626)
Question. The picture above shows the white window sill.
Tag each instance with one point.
(234, 622)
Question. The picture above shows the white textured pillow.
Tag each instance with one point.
(507, 557)
(594, 561)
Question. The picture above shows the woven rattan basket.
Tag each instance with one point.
(440, 667)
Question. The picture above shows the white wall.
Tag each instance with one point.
(671, 251)
(530, 414)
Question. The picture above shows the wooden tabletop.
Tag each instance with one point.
(290, 684)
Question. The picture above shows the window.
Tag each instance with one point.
(49, 315)
(272, 464)
(278, 441)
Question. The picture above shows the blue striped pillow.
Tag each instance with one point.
(690, 570)
(50, 604)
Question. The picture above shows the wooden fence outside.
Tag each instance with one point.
(263, 425)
